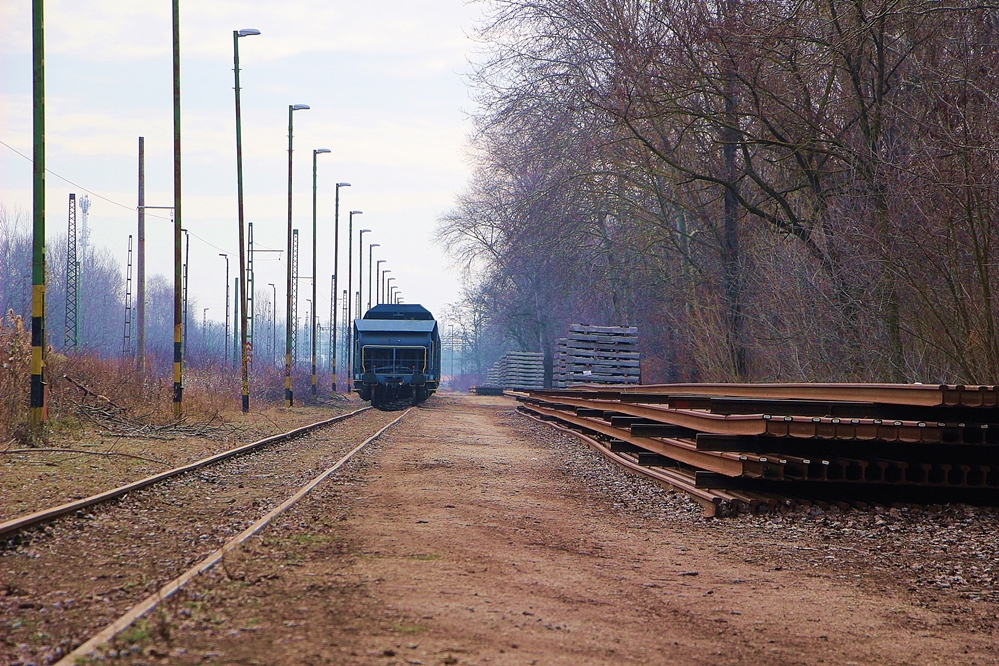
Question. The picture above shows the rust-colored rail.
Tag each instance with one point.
(839, 442)
(927, 395)
(44, 516)
(710, 501)
(87, 649)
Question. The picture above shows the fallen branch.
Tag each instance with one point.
(89, 453)
(135, 436)
(89, 392)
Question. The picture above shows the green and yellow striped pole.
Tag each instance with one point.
(37, 412)
(178, 347)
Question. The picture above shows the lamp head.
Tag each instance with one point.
(374, 244)
(223, 254)
(356, 212)
(365, 231)
(299, 107)
(343, 184)
(318, 151)
(247, 32)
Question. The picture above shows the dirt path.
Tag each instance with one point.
(463, 537)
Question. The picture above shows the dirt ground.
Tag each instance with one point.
(468, 535)
(37, 479)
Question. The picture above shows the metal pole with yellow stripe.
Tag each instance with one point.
(178, 347)
(38, 412)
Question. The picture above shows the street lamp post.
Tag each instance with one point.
(384, 295)
(289, 316)
(371, 249)
(236, 34)
(451, 327)
(378, 281)
(273, 322)
(336, 268)
(225, 345)
(390, 287)
(360, 268)
(350, 259)
(312, 318)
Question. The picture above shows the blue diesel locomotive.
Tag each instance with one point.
(396, 355)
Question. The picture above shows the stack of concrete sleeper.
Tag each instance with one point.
(598, 355)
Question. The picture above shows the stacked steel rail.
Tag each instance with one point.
(597, 355)
(757, 445)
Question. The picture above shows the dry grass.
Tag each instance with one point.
(15, 374)
(211, 392)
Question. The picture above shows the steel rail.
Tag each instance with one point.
(835, 491)
(700, 421)
(720, 502)
(805, 427)
(709, 500)
(928, 395)
(150, 602)
(855, 466)
(45, 515)
(715, 461)
(820, 448)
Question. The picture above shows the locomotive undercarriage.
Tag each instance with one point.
(390, 396)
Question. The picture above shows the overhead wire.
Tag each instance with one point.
(111, 201)
(134, 208)
(88, 191)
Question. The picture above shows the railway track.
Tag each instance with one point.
(81, 572)
(746, 447)
(14, 525)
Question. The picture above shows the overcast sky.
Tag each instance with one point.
(384, 78)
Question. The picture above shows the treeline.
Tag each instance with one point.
(772, 191)
(101, 288)
(101, 310)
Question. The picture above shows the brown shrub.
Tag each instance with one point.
(15, 374)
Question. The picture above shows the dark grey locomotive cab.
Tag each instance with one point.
(396, 355)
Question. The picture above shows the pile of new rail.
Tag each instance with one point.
(738, 447)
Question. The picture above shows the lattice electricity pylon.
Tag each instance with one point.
(71, 338)
(319, 344)
(251, 310)
(294, 297)
(84, 262)
(343, 340)
(185, 268)
(126, 344)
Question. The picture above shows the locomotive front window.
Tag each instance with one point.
(393, 360)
